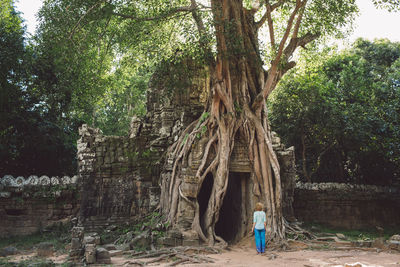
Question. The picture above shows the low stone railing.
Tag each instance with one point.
(346, 187)
(33, 180)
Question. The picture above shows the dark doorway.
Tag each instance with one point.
(204, 196)
(232, 218)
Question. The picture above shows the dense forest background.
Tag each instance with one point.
(339, 109)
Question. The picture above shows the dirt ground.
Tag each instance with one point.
(248, 257)
(238, 257)
(245, 255)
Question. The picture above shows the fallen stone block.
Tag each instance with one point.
(103, 256)
(142, 241)
(90, 253)
(379, 243)
(75, 243)
(102, 253)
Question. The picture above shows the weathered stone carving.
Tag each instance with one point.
(33, 180)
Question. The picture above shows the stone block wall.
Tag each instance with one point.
(286, 158)
(347, 206)
(120, 175)
(32, 204)
(116, 178)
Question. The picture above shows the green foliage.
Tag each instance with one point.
(203, 129)
(320, 18)
(37, 262)
(185, 138)
(147, 154)
(390, 5)
(344, 115)
(329, 19)
(203, 117)
(106, 57)
(99, 83)
(31, 141)
(351, 234)
(153, 222)
(64, 77)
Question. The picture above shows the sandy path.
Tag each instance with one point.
(247, 257)
(243, 257)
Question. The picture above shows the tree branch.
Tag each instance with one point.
(277, 4)
(301, 41)
(82, 17)
(167, 14)
(299, 4)
(270, 26)
(202, 32)
(299, 18)
(275, 72)
(271, 8)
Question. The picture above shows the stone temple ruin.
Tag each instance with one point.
(119, 178)
(121, 175)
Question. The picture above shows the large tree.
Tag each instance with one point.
(241, 81)
(247, 46)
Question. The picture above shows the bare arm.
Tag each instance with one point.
(265, 221)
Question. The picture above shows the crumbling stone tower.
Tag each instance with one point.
(121, 175)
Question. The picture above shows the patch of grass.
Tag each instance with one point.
(31, 262)
(58, 235)
(353, 234)
(152, 222)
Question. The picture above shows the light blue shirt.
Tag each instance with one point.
(259, 219)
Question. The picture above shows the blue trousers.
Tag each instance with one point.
(260, 240)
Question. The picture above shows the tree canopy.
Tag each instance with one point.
(342, 115)
(390, 5)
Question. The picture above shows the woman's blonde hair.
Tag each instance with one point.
(259, 206)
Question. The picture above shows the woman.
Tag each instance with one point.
(259, 226)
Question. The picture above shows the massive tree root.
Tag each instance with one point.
(221, 123)
(180, 254)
